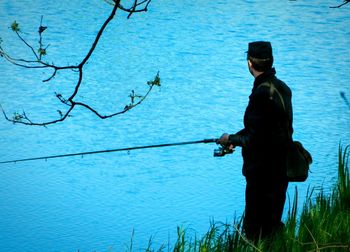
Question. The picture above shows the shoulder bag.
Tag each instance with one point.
(298, 159)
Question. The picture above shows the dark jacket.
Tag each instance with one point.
(267, 128)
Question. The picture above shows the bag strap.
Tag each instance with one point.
(273, 89)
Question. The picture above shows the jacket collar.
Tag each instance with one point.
(269, 74)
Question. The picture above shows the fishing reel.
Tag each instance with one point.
(222, 151)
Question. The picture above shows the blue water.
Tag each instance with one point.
(96, 203)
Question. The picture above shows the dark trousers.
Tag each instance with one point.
(264, 207)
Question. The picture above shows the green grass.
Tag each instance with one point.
(322, 225)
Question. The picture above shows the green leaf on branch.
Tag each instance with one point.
(42, 51)
(155, 82)
(134, 96)
(17, 117)
(15, 27)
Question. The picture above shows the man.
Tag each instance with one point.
(267, 129)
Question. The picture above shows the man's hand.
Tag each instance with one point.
(224, 142)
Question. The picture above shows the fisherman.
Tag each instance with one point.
(267, 126)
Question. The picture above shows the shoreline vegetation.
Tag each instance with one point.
(322, 225)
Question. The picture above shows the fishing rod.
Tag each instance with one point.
(218, 152)
(342, 94)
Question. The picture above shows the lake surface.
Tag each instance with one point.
(96, 203)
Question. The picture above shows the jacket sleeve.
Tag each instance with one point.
(257, 119)
(239, 139)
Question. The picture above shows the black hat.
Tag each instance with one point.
(260, 50)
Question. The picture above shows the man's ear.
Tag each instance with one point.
(250, 64)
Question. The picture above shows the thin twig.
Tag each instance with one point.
(126, 108)
(134, 9)
(245, 239)
(25, 42)
(332, 246)
(313, 239)
(345, 2)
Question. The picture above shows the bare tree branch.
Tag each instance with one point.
(344, 3)
(134, 8)
(38, 63)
